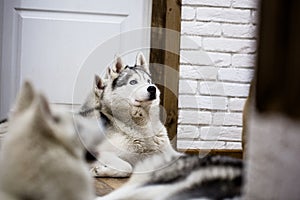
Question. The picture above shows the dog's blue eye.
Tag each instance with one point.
(133, 82)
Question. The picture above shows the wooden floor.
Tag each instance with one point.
(106, 185)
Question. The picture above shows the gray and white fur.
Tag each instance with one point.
(44, 152)
(183, 177)
(129, 106)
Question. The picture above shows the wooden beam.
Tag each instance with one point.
(224, 152)
(277, 72)
(164, 57)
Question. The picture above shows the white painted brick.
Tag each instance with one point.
(194, 117)
(235, 74)
(236, 104)
(233, 145)
(190, 42)
(187, 87)
(202, 102)
(218, 43)
(220, 59)
(187, 131)
(254, 16)
(197, 72)
(229, 119)
(229, 45)
(243, 60)
(223, 15)
(198, 57)
(244, 4)
(201, 28)
(216, 3)
(221, 133)
(207, 145)
(188, 13)
(224, 89)
(186, 144)
(239, 30)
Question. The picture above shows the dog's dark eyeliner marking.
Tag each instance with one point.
(133, 82)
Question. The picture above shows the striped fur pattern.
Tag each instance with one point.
(183, 177)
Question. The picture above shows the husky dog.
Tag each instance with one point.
(128, 102)
(184, 177)
(44, 152)
(91, 108)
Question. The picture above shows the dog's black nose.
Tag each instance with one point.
(152, 91)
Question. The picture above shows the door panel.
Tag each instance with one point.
(48, 41)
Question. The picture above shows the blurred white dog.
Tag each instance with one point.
(44, 153)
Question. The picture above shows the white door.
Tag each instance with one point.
(60, 44)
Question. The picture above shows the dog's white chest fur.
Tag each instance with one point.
(133, 146)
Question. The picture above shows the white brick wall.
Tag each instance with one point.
(218, 47)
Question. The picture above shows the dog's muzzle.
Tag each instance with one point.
(152, 92)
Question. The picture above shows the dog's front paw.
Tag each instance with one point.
(105, 171)
(110, 166)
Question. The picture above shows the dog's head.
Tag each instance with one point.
(33, 118)
(131, 84)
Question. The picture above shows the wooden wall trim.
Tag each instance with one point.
(277, 72)
(235, 153)
(166, 14)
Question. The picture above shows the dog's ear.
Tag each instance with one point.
(42, 116)
(110, 74)
(45, 121)
(116, 69)
(98, 85)
(42, 107)
(24, 99)
(141, 61)
(118, 65)
(107, 74)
